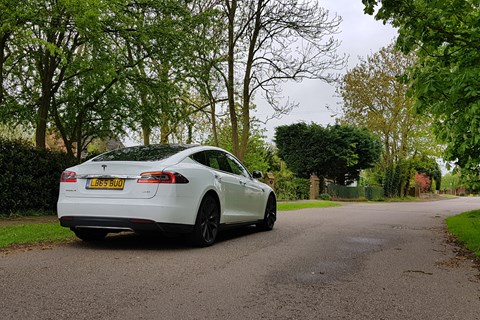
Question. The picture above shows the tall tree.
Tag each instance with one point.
(93, 68)
(270, 42)
(375, 97)
(444, 81)
(46, 50)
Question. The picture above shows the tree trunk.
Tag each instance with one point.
(232, 8)
(78, 136)
(63, 133)
(146, 134)
(214, 126)
(3, 45)
(246, 83)
(213, 116)
(42, 115)
(164, 132)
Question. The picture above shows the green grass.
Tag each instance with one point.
(402, 199)
(466, 228)
(448, 196)
(26, 213)
(288, 206)
(33, 233)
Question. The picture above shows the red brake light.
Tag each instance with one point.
(162, 177)
(68, 176)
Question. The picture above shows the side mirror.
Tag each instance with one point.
(257, 175)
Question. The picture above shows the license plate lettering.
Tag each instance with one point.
(111, 183)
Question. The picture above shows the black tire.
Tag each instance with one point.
(270, 214)
(87, 234)
(207, 223)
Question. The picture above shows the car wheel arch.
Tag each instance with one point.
(214, 194)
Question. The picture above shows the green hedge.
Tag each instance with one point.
(374, 193)
(343, 192)
(29, 177)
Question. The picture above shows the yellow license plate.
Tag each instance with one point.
(114, 183)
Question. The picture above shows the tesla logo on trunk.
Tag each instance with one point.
(104, 166)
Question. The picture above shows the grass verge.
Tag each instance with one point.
(448, 196)
(288, 206)
(33, 233)
(466, 228)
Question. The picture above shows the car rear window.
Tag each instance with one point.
(142, 153)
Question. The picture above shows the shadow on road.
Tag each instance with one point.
(132, 241)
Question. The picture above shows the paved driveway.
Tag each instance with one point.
(359, 261)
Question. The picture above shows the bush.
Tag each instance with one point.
(29, 177)
(325, 196)
(288, 188)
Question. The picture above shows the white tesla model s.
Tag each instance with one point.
(167, 188)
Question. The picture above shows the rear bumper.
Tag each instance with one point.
(161, 210)
(123, 224)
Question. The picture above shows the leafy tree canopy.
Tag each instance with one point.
(335, 152)
(375, 98)
(445, 80)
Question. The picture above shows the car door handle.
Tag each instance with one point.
(243, 183)
(219, 179)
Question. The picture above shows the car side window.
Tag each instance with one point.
(200, 157)
(213, 163)
(218, 160)
(237, 168)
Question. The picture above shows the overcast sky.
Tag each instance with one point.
(360, 35)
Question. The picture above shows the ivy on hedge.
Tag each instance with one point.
(29, 177)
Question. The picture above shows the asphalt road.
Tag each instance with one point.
(359, 261)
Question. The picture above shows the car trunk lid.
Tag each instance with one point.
(112, 180)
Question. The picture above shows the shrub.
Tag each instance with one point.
(422, 181)
(325, 196)
(288, 188)
(30, 177)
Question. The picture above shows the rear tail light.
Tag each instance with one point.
(162, 177)
(68, 176)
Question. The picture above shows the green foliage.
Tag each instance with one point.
(17, 132)
(371, 177)
(325, 196)
(289, 188)
(466, 228)
(336, 152)
(356, 193)
(451, 181)
(430, 168)
(374, 193)
(259, 154)
(374, 97)
(33, 233)
(91, 69)
(343, 192)
(389, 183)
(30, 176)
(444, 81)
(470, 179)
